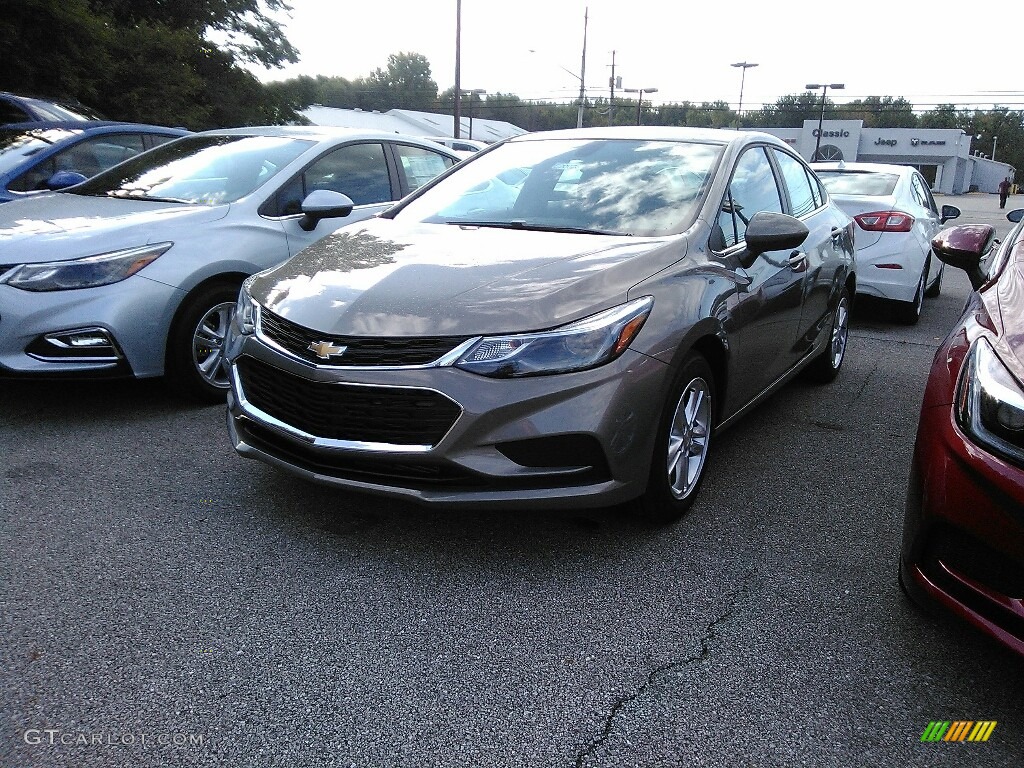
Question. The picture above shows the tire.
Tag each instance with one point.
(195, 347)
(684, 432)
(909, 312)
(826, 366)
(936, 287)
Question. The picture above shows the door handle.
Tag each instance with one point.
(798, 261)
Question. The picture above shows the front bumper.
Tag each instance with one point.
(572, 440)
(133, 315)
(963, 537)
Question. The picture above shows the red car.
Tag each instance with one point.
(963, 532)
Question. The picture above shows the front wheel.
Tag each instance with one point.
(825, 367)
(681, 444)
(195, 348)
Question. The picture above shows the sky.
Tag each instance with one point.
(927, 52)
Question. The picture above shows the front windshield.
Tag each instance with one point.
(19, 144)
(603, 186)
(205, 170)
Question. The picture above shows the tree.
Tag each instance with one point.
(406, 83)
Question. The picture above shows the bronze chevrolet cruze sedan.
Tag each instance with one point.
(566, 319)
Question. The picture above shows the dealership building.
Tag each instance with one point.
(942, 155)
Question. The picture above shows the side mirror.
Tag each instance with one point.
(963, 247)
(64, 179)
(324, 204)
(1015, 215)
(769, 231)
(949, 212)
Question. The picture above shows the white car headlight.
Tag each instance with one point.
(92, 271)
(586, 343)
(990, 403)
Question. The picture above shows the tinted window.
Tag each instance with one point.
(87, 157)
(12, 113)
(421, 165)
(753, 189)
(922, 193)
(357, 170)
(801, 197)
(858, 182)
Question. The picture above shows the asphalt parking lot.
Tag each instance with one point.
(166, 603)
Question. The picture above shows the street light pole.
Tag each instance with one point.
(640, 100)
(472, 93)
(821, 119)
(457, 114)
(995, 139)
(583, 69)
(744, 65)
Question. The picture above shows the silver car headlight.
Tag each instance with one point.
(990, 403)
(90, 272)
(583, 344)
(245, 310)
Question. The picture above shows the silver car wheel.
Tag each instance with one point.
(688, 438)
(208, 344)
(840, 332)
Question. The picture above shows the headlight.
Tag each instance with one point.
(245, 310)
(990, 403)
(586, 343)
(89, 272)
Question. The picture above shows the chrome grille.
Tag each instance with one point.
(360, 350)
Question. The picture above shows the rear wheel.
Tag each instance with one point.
(681, 445)
(825, 367)
(909, 312)
(195, 348)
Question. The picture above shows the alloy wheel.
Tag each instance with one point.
(208, 344)
(688, 438)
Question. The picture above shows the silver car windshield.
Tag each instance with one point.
(600, 186)
(203, 170)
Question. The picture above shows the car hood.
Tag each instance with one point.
(385, 278)
(68, 226)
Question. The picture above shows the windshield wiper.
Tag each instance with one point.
(150, 198)
(524, 225)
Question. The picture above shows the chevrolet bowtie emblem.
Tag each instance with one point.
(325, 350)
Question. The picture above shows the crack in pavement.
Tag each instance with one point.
(734, 597)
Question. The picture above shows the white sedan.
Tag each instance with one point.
(896, 218)
(136, 271)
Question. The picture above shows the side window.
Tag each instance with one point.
(818, 188)
(156, 139)
(801, 197)
(753, 189)
(420, 165)
(87, 157)
(12, 113)
(357, 170)
(922, 193)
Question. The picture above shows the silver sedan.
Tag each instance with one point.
(136, 271)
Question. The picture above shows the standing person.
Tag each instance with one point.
(1004, 191)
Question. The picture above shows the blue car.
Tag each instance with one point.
(43, 155)
(15, 108)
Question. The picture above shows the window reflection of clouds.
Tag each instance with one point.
(630, 187)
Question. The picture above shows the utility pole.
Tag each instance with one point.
(611, 97)
(583, 69)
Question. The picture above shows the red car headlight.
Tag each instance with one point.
(990, 403)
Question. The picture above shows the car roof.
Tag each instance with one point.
(315, 132)
(656, 133)
(97, 126)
